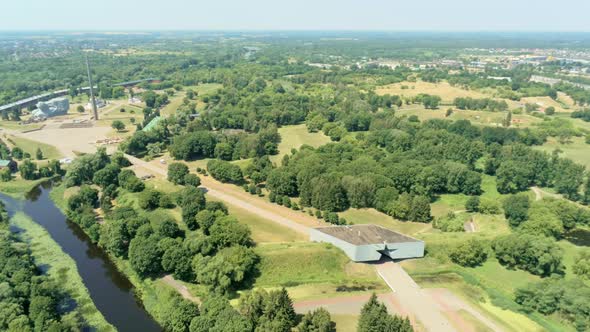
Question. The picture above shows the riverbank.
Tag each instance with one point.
(61, 267)
(156, 297)
(18, 188)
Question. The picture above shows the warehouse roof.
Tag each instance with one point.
(365, 234)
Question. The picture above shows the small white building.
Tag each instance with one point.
(365, 243)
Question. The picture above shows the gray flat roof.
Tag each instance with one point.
(365, 234)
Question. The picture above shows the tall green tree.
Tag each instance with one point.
(374, 318)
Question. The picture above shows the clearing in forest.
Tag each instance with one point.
(444, 90)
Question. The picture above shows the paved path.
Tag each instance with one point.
(180, 288)
(413, 298)
(451, 303)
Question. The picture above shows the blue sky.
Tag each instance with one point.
(448, 15)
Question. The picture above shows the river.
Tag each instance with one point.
(110, 290)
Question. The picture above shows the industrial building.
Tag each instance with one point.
(365, 243)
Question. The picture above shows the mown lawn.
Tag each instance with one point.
(62, 268)
(293, 137)
(576, 150)
(264, 230)
(308, 263)
(30, 146)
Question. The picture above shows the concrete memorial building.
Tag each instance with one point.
(50, 108)
(365, 243)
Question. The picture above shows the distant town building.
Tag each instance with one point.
(50, 108)
(500, 78)
(365, 243)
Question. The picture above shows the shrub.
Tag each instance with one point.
(472, 204)
(470, 253)
(449, 223)
(488, 206)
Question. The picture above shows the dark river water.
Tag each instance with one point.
(110, 290)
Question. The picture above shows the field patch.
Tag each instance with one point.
(484, 118)
(293, 137)
(444, 90)
(296, 264)
(263, 230)
(576, 150)
(30, 146)
(372, 216)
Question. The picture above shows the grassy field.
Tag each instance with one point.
(488, 288)
(30, 146)
(345, 323)
(177, 99)
(293, 137)
(444, 90)
(309, 263)
(62, 268)
(372, 216)
(577, 150)
(18, 187)
(263, 230)
(13, 125)
(483, 118)
(545, 102)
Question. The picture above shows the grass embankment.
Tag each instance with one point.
(18, 188)
(62, 268)
(313, 270)
(263, 230)
(30, 146)
(14, 125)
(489, 288)
(372, 216)
(153, 293)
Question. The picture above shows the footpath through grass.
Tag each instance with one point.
(61, 267)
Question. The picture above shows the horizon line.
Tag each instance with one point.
(468, 31)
